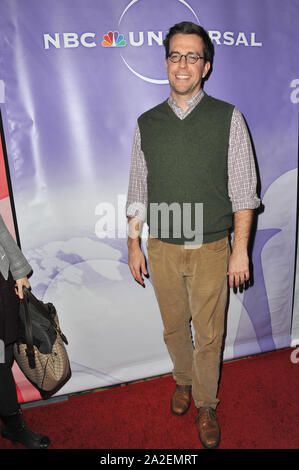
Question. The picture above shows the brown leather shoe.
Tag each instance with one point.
(208, 429)
(181, 399)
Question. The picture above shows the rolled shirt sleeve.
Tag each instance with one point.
(241, 166)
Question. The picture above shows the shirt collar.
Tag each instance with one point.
(192, 102)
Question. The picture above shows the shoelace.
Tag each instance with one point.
(210, 413)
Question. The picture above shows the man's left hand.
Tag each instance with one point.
(238, 268)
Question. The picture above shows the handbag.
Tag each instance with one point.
(40, 349)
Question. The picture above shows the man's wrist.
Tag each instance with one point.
(240, 248)
(133, 242)
(135, 225)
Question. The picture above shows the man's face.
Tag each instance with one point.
(184, 78)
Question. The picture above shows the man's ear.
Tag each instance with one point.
(206, 69)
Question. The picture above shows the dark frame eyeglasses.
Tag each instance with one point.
(191, 57)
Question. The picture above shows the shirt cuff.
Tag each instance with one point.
(246, 203)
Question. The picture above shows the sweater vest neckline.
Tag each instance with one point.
(197, 108)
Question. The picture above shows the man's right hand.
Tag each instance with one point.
(136, 261)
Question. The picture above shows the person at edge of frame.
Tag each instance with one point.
(192, 148)
(14, 269)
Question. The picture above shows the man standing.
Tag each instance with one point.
(192, 150)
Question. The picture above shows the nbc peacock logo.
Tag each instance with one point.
(114, 39)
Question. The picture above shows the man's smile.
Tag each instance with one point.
(182, 77)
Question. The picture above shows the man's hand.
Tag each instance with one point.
(137, 263)
(238, 267)
(19, 286)
(136, 259)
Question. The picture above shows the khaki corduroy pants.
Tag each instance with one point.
(191, 284)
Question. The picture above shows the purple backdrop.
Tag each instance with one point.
(70, 110)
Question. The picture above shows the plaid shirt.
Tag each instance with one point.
(241, 166)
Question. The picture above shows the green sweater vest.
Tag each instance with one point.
(187, 164)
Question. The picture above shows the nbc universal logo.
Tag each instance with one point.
(116, 39)
(137, 39)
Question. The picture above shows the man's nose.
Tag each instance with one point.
(183, 61)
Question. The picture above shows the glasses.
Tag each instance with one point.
(191, 58)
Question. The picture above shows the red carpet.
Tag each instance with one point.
(259, 409)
